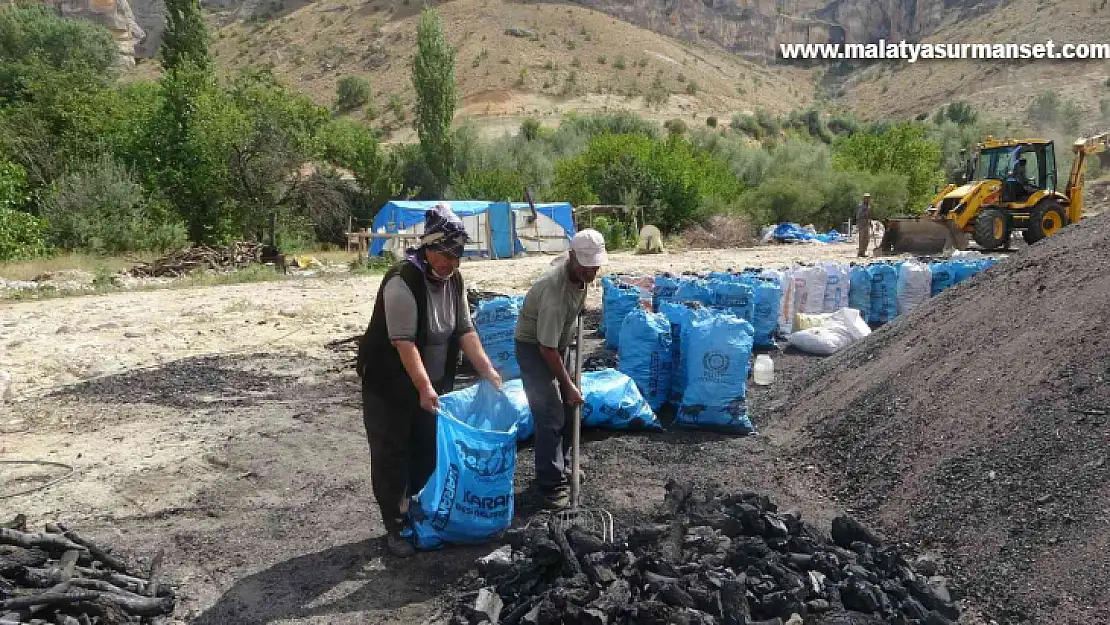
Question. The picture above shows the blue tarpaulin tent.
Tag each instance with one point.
(504, 221)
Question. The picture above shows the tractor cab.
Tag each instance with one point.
(998, 160)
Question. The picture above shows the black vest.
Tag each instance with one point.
(379, 364)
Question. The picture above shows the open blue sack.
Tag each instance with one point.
(719, 349)
(613, 402)
(486, 409)
(495, 320)
(884, 293)
(859, 291)
(645, 354)
(620, 300)
(943, 277)
(469, 497)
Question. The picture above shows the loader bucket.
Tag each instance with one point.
(921, 235)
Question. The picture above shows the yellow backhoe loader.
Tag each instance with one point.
(1010, 186)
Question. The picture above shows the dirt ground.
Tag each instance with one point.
(218, 424)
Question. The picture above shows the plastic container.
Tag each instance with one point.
(763, 371)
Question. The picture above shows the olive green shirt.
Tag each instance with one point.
(551, 309)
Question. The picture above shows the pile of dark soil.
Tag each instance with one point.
(708, 558)
(978, 425)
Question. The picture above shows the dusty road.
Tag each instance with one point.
(216, 423)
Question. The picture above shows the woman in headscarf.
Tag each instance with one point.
(407, 359)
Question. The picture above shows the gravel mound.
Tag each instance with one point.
(977, 425)
(709, 557)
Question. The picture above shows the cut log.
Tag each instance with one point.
(47, 542)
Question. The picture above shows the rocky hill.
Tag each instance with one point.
(514, 60)
(1003, 87)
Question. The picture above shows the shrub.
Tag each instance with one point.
(22, 235)
(675, 126)
(691, 88)
(98, 207)
(746, 124)
(619, 62)
(353, 92)
(530, 129)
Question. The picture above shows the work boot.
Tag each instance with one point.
(398, 547)
(556, 498)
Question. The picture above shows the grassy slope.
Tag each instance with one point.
(1003, 88)
(315, 45)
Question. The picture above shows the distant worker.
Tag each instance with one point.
(1019, 178)
(407, 358)
(863, 216)
(543, 334)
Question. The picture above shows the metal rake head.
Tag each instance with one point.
(592, 520)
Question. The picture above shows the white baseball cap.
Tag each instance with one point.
(589, 248)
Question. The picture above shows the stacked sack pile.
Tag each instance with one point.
(690, 343)
(694, 334)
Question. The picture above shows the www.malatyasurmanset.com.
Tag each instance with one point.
(912, 52)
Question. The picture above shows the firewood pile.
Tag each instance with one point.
(59, 577)
(184, 261)
(709, 559)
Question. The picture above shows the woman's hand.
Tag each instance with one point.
(494, 378)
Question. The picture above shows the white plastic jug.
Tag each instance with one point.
(763, 373)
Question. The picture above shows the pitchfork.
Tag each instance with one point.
(598, 520)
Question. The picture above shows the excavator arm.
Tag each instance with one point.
(1074, 191)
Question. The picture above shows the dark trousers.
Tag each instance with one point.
(553, 418)
(864, 235)
(402, 441)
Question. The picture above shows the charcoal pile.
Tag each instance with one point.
(733, 559)
(185, 261)
(59, 577)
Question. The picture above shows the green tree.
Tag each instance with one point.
(185, 41)
(433, 76)
(901, 149)
(353, 146)
(488, 184)
(35, 41)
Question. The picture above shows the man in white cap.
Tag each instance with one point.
(544, 331)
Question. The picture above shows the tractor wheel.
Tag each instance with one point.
(991, 232)
(1047, 219)
(1029, 237)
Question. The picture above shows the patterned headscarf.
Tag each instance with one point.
(443, 233)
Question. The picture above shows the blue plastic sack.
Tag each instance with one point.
(486, 409)
(620, 300)
(693, 290)
(606, 284)
(884, 293)
(859, 291)
(469, 497)
(719, 349)
(943, 277)
(614, 402)
(495, 320)
(645, 354)
(768, 304)
(735, 297)
(676, 314)
(666, 286)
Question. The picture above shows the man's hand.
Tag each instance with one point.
(429, 400)
(572, 396)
